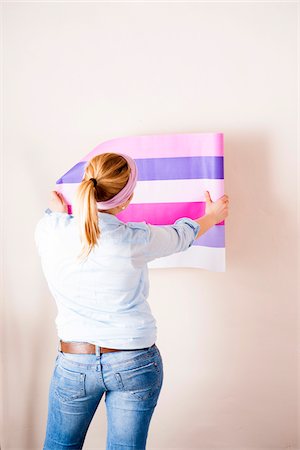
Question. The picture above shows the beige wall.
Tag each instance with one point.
(76, 74)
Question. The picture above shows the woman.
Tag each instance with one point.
(96, 269)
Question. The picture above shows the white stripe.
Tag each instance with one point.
(163, 191)
(168, 191)
(209, 258)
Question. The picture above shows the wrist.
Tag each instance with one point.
(211, 219)
(206, 222)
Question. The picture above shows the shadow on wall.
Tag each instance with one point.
(253, 248)
(252, 225)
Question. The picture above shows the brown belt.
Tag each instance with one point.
(86, 347)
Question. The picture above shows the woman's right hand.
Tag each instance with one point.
(218, 209)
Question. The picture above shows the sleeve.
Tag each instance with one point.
(167, 239)
(44, 227)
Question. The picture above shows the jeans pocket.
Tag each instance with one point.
(143, 379)
(69, 385)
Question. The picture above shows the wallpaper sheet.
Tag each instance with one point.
(174, 170)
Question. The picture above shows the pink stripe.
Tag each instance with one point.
(163, 146)
(162, 213)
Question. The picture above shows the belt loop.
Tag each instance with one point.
(97, 350)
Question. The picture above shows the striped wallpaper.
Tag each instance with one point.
(173, 173)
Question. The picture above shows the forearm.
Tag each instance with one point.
(206, 222)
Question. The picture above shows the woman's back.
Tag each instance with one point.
(104, 299)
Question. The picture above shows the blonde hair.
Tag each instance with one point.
(112, 173)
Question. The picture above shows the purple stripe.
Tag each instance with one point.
(73, 175)
(195, 167)
(214, 237)
(180, 168)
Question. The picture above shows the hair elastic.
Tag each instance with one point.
(94, 181)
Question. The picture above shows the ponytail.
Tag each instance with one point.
(85, 209)
(111, 173)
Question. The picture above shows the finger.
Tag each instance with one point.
(207, 196)
(54, 195)
(58, 196)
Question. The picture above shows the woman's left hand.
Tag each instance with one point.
(57, 202)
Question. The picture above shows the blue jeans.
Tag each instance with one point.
(131, 380)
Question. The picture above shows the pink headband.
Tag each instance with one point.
(127, 190)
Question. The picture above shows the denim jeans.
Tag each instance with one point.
(131, 381)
